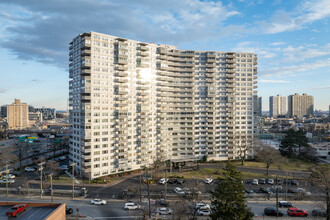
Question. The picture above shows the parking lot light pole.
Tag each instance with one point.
(72, 164)
(51, 186)
(7, 171)
(41, 168)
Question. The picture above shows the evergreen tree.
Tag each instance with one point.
(292, 141)
(228, 198)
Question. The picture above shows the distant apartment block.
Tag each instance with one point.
(257, 105)
(47, 113)
(277, 106)
(17, 115)
(133, 102)
(300, 105)
(3, 111)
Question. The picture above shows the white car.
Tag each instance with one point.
(163, 181)
(270, 182)
(202, 206)
(164, 211)
(9, 181)
(255, 182)
(179, 191)
(29, 169)
(208, 180)
(203, 212)
(131, 206)
(11, 176)
(98, 202)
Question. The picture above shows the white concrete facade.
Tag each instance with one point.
(133, 102)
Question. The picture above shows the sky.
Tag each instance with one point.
(291, 39)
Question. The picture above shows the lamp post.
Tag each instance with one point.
(72, 164)
(41, 168)
(51, 186)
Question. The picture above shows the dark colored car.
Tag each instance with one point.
(318, 212)
(16, 173)
(68, 211)
(278, 181)
(272, 212)
(180, 181)
(264, 190)
(162, 203)
(284, 204)
(292, 190)
(172, 181)
(294, 182)
(262, 181)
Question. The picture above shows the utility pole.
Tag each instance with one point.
(72, 164)
(165, 184)
(7, 171)
(41, 168)
(51, 186)
(276, 187)
(148, 194)
(140, 188)
(286, 186)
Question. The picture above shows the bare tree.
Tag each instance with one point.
(321, 177)
(244, 149)
(181, 209)
(266, 154)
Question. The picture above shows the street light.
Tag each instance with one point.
(73, 164)
(51, 186)
(41, 168)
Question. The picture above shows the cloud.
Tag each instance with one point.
(305, 52)
(277, 43)
(277, 71)
(321, 88)
(273, 81)
(3, 90)
(36, 80)
(306, 13)
(44, 28)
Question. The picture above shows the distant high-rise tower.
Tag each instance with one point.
(18, 115)
(257, 105)
(300, 105)
(277, 106)
(133, 102)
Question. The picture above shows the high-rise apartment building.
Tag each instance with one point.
(18, 115)
(277, 105)
(133, 102)
(300, 105)
(257, 105)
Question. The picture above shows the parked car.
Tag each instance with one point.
(270, 182)
(131, 206)
(161, 203)
(98, 202)
(264, 190)
(163, 181)
(180, 181)
(294, 182)
(249, 191)
(272, 212)
(68, 211)
(297, 212)
(172, 181)
(16, 173)
(11, 176)
(255, 182)
(262, 181)
(186, 191)
(62, 158)
(284, 204)
(179, 191)
(279, 181)
(208, 180)
(8, 181)
(293, 190)
(200, 205)
(164, 211)
(318, 212)
(203, 212)
(29, 169)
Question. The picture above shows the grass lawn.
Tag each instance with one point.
(64, 178)
(290, 164)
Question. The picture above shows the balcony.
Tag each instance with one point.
(86, 72)
(229, 66)
(231, 56)
(86, 52)
(230, 60)
(208, 70)
(143, 48)
(162, 51)
(143, 54)
(122, 61)
(121, 74)
(230, 71)
(121, 68)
